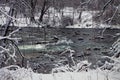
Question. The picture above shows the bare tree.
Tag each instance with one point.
(8, 44)
(33, 4)
(45, 6)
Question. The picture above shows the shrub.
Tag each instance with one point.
(66, 21)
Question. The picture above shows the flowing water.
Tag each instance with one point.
(87, 43)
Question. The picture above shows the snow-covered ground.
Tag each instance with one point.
(28, 74)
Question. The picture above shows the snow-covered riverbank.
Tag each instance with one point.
(28, 74)
(86, 19)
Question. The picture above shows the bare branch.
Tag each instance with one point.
(103, 10)
(1, 10)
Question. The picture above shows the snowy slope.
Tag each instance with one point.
(27, 74)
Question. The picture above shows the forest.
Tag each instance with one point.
(59, 39)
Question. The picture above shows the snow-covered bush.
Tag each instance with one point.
(14, 72)
(111, 62)
(8, 48)
(81, 66)
(8, 73)
(116, 55)
(115, 49)
(2, 59)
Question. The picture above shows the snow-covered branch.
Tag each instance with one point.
(7, 15)
(10, 34)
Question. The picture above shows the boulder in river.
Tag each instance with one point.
(80, 39)
(96, 49)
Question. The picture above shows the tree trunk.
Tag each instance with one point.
(44, 9)
(80, 13)
(33, 4)
(8, 22)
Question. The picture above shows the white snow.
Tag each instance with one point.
(87, 22)
(7, 8)
(28, 74)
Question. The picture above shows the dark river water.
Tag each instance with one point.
(82, 39)
(87, 43)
